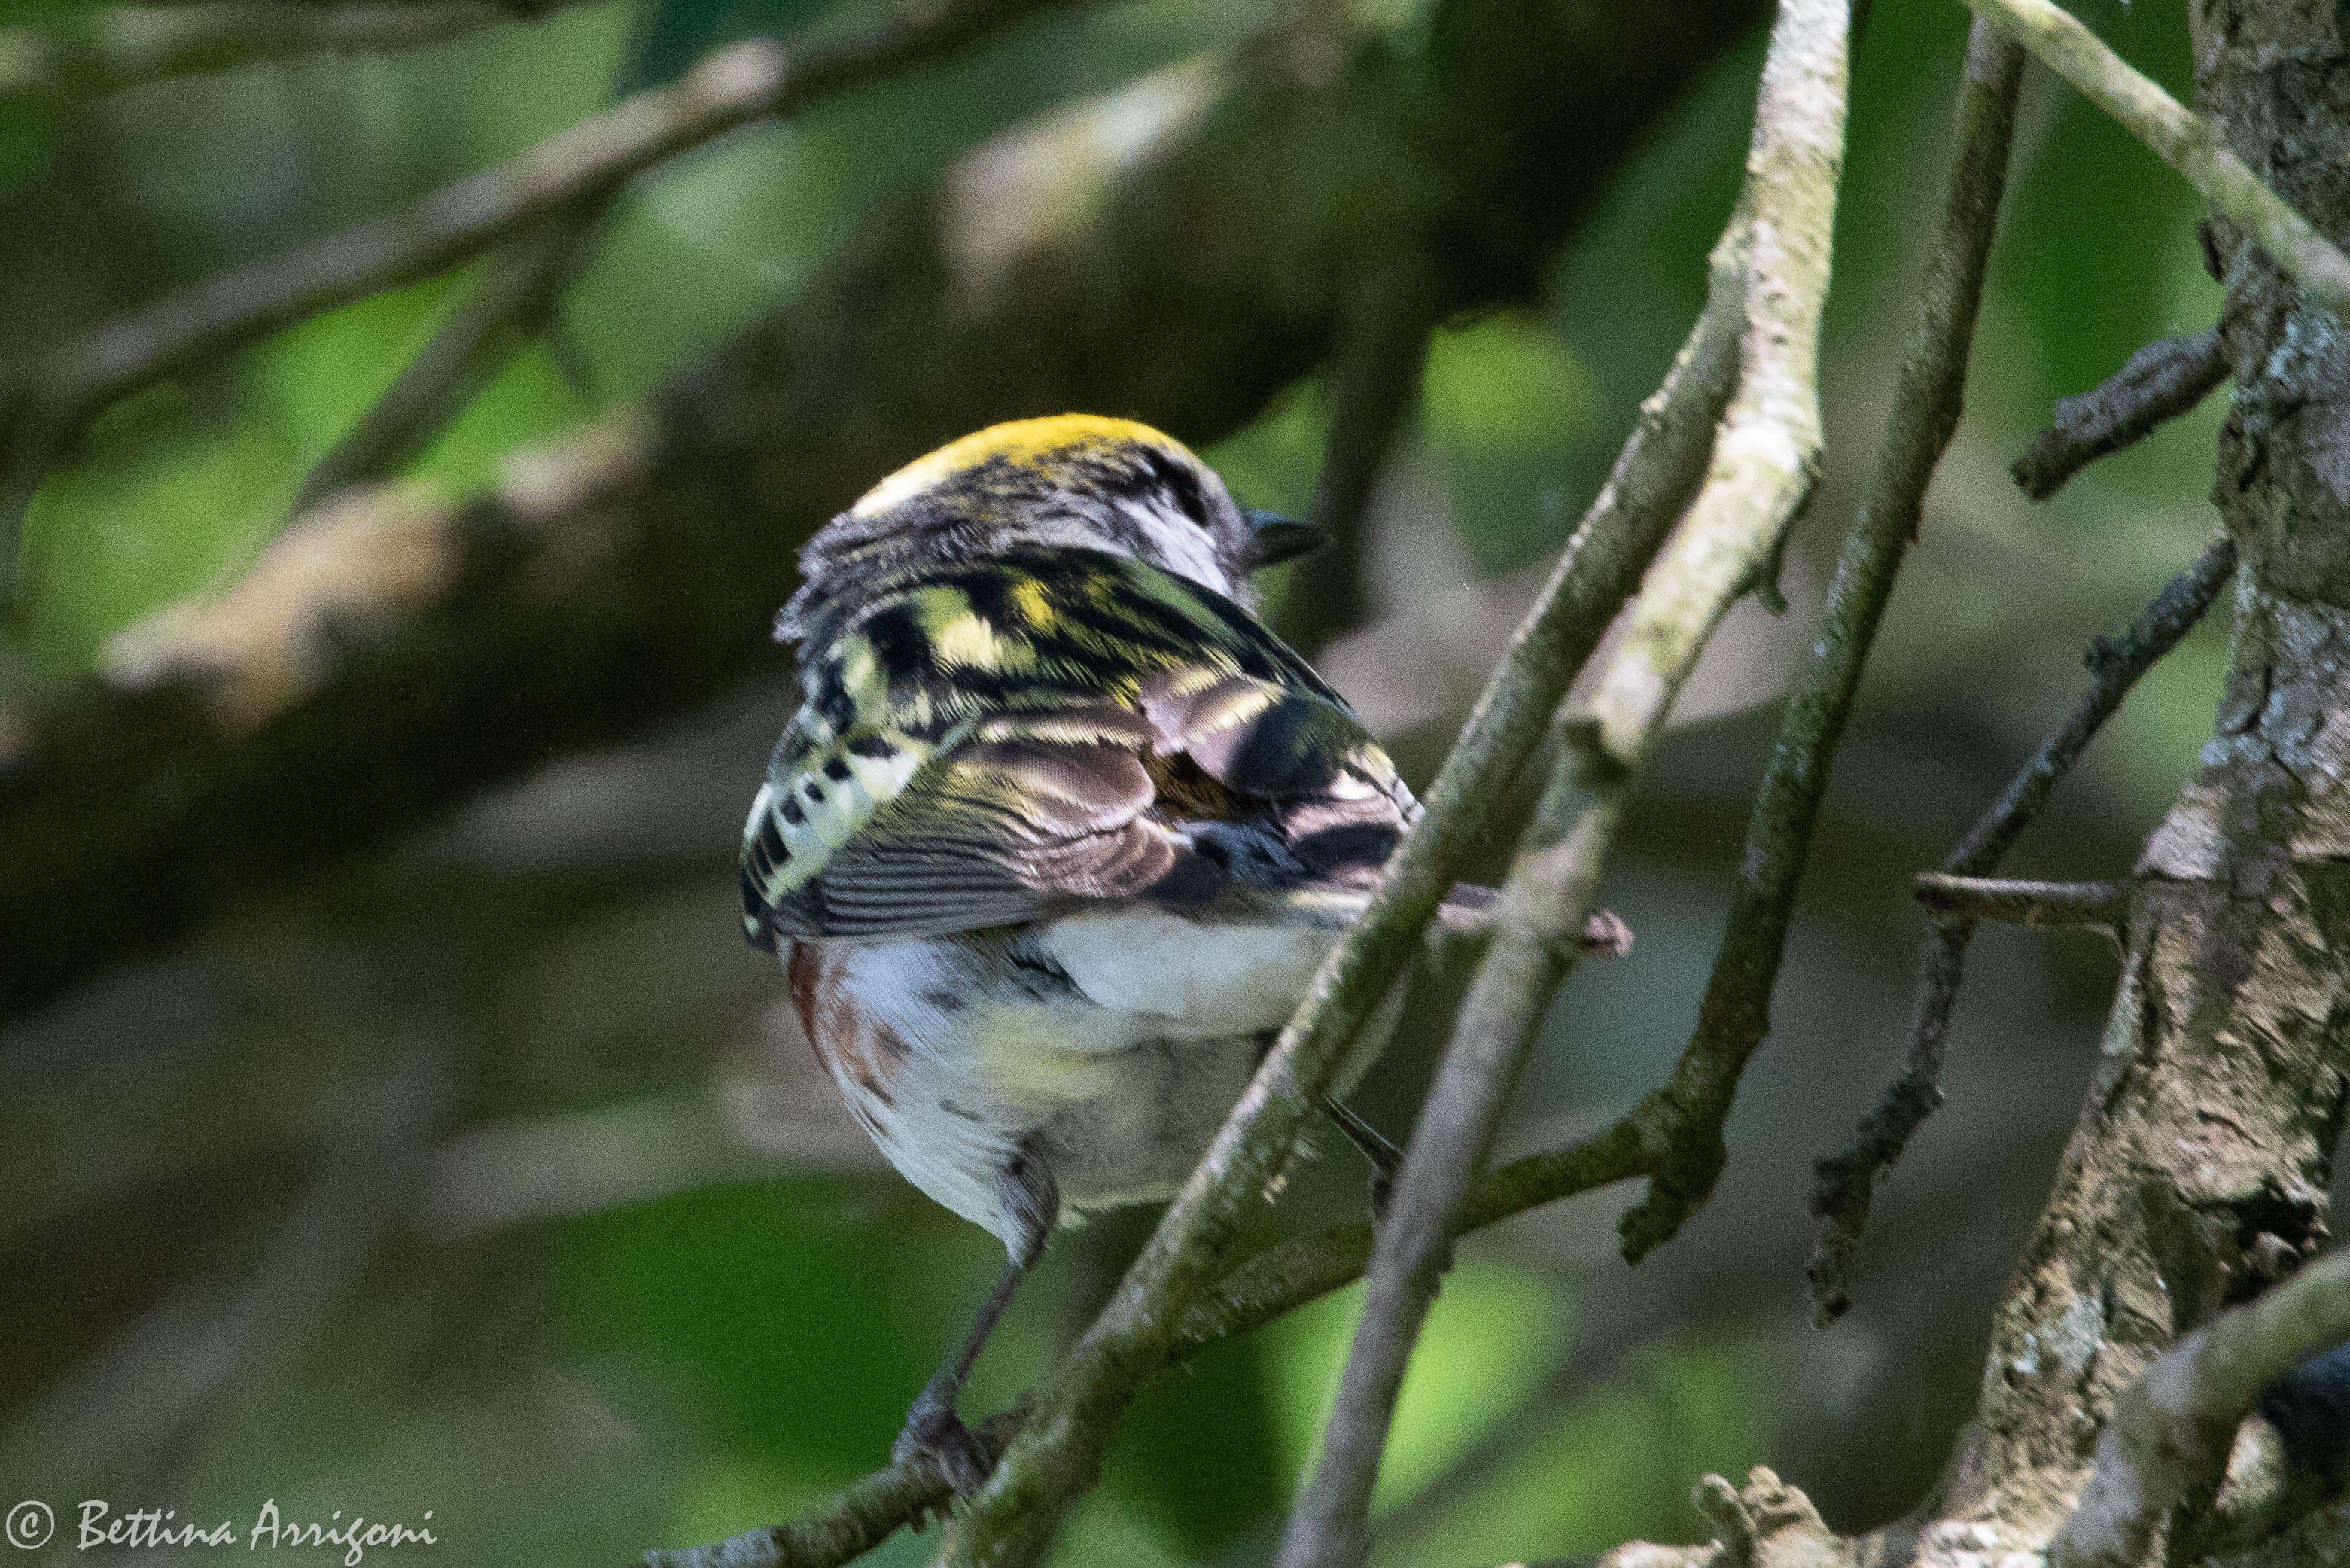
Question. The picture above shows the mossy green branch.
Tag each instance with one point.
(2183, 139)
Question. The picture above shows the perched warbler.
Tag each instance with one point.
(1059, 833)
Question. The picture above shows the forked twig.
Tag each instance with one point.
(1765, 461)
(1845, 1185)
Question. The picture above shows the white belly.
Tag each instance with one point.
(1112, 1044)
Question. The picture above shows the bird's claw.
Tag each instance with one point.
(939, 1432)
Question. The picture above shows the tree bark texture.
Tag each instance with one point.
(2198, 1172)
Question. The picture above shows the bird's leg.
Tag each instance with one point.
(1384, 1157)
(1032, 1203)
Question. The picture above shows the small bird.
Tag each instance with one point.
(1059, 833)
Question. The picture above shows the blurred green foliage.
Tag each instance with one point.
(751, 1346)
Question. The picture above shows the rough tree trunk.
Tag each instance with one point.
(2198, 1173)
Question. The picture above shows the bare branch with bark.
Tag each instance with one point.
(1845, 1185)
(2172, 1429)
(2019, 902)
(2184, 140)
(1735, 1013)
(1765, 459)
(1274, 1282)
(2159, 382)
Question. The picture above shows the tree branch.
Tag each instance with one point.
(1057, 1455)
(2172, 1429)
(2183, 139)
(1765, 461)
(1271, 1285)
(576, 167)
(2159, 382)
(56, 67)
(509, 308)
(1735, 1016)
(856, 1519)
(2016, 902)
(1845, 1185)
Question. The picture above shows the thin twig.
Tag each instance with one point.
(2159, 382)
(510, 307)
(1382, 350)
(1058, 1455)
(89, 54)
(1735, 1015)
(1845, 1185)
(1765, 461)
(1274, 1282)
(519, 10)
(2017, 902)
(856, 1519)
(576, 168)
(2171, 1430)
(2182, 139)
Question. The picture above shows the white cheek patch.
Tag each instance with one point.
(1178, 545)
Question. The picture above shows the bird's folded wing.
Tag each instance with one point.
(1106, 732)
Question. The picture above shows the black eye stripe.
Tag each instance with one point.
(1181, 483)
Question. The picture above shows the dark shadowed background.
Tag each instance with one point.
(488, 1175)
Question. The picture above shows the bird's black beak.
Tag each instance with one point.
(1274, 538)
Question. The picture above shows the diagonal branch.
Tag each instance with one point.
(1845, 1185)
(2171, 1430)
(580, 166)
(1765, 461)
(1735, 1014)
(2182, 139)
(512, 305)
(2159, 382)
(82, 56)
(1059, 1453)
(1274, 1282)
